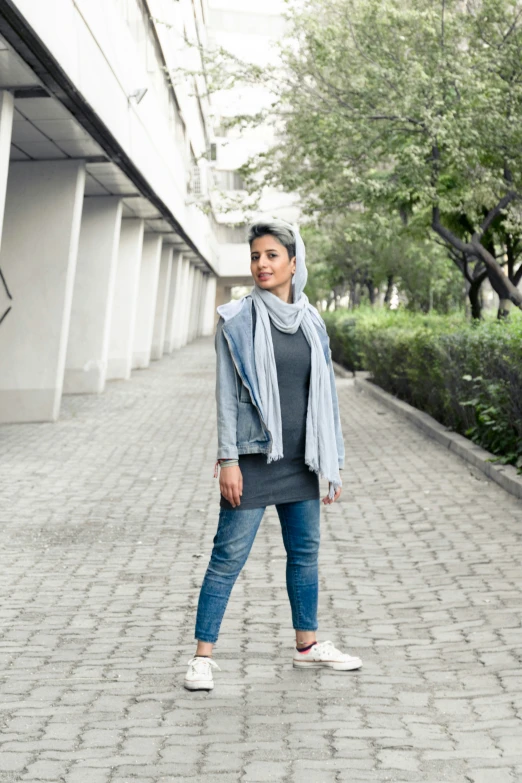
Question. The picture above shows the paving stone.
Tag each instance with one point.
(46, 769)
(108, 523)
(13, 762)
(264, 771)
(395, 759)
(181, 753)
(79, 775)
(487, 776)
(223, 762)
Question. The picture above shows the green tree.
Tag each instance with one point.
(410, 109)
(355, 255)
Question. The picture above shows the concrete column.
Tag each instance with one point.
(194, 301)
(201, 302)
(162, 302)
(125, 299)
(147, 294)
(175, 303)
(201, 298)
(223, 292)
(198, 307)
(197, 304)
(39, 249)
(6, 127)
(188, 286)
(89, 331)
(209, 307)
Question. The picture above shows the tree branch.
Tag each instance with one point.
(493, 213)
(502, 285)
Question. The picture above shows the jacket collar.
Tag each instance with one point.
(231, 309)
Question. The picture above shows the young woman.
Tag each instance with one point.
(278, 431)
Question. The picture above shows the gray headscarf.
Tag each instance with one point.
(320, 450)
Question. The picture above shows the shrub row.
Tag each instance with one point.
(467, 376)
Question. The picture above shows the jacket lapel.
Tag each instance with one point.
(239, 330)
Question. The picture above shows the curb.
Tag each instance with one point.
(505, 476)
(341, 371)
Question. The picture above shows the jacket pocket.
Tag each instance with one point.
(245, 418)
(249, 428)
(244, 394)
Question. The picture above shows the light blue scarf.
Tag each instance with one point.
(321, 449)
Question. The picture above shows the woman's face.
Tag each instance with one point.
(271, 266)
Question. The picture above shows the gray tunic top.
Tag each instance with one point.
(289, 479)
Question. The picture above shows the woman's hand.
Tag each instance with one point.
(231, 484)
(327, 501)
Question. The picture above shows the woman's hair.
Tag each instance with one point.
(277, 228)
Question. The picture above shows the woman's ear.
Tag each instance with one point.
(292, 264)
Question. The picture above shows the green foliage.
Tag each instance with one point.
(379, 83)
(355, 254)
(352, 333)
(409, 110)
(493, 428)
(468, 377)
(425, 276)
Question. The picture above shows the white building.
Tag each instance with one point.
(251, 31)
(110, 250)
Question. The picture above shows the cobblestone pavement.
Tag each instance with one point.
(108, 517)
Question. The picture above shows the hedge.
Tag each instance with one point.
(467, 376)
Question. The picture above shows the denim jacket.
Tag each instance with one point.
(241, 429)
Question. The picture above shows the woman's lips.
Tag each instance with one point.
(264, 276)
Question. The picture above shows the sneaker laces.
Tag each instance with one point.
(330, 650)
(327, 648)
(196, 661)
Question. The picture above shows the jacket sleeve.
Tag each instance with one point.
(226, 397)
(337, 419)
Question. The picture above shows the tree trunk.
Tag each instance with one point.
(355, 295)
(389, 290)
(474, 296)
(504, 307)
(500, 283)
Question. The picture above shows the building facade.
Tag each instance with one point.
(252, 32)
(113, 249)
(108, 251)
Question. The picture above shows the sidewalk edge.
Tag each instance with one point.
(505, 476)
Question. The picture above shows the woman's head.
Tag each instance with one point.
(272, 256)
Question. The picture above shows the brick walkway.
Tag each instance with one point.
(108, 517)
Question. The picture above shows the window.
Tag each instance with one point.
(230, 234)
(229, 180)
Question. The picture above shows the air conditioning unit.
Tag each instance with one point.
(198, 184)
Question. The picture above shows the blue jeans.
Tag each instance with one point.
(233, 541)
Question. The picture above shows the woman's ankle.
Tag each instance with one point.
(303, 640)
(204, 649)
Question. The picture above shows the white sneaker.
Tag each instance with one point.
(199, 674)
(325, 654)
